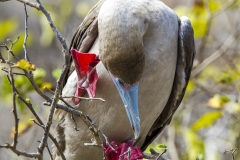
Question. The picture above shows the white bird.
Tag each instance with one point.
(146, 55)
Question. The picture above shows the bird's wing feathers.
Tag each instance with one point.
(186, 53)
(86, 33)
(82, 40)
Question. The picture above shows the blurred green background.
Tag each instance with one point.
(207, 122)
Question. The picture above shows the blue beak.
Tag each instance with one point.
(129, 97)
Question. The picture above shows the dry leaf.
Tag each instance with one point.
(24, 64)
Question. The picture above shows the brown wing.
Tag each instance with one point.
(86, 33)
(186, 53)
(82, 40)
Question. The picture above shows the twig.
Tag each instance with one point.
(84, 98)
(30, 155)
(215, 55)
(26, 34)
(42, 126)
(14, 110)
(127, 152)
(14, 73)
(49, 90)
(74, 121)
(209, 22)
(29, 105)
(29, 3)
(160, 156)
(54, 29)
(224, 7)
(9, 50)
(232, 151)
(2, 59)
(49, 152)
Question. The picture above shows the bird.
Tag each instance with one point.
(143, 55)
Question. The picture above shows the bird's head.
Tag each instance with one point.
(125, 65)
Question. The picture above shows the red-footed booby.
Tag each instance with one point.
(146, 54)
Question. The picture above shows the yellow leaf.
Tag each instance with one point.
(206, 120)
(214, 5)
(28, 100)
(218, 101)
(236, 107)
(190, 88)
(46, 85)
(24, 64)
(23, 127)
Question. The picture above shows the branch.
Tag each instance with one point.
(30, 155)
(216, 54)
(209, 22)
(29, 105)
(26, 34)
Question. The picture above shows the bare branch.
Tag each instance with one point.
(232, 151)
(25, 154)
(84, 98)
(26, 34)
(29, 3)
(216, 54)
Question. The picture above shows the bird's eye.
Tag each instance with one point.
(120, 82)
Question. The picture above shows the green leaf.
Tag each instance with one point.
(18, 47)
(7, 27)
(162, 146)
(214, 5)
(39, 73)
(198, 17)
(56, 73)
(206, 120)
(195, 145)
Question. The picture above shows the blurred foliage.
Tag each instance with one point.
(195, 145)
(7, 26)
(206, 120)
(59, 16)
(23, 127)
(56, 73)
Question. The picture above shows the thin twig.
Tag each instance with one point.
(42, 126)
(74, 121)
(14, 73)
(209, 22)
(22, 153)
(26, 34)
(84, 98)
(14, 110)
(49, 152)
(215, 55)
(232, 151)
(29, 105)
(160, 156)
(9, 50)
(29, 3)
